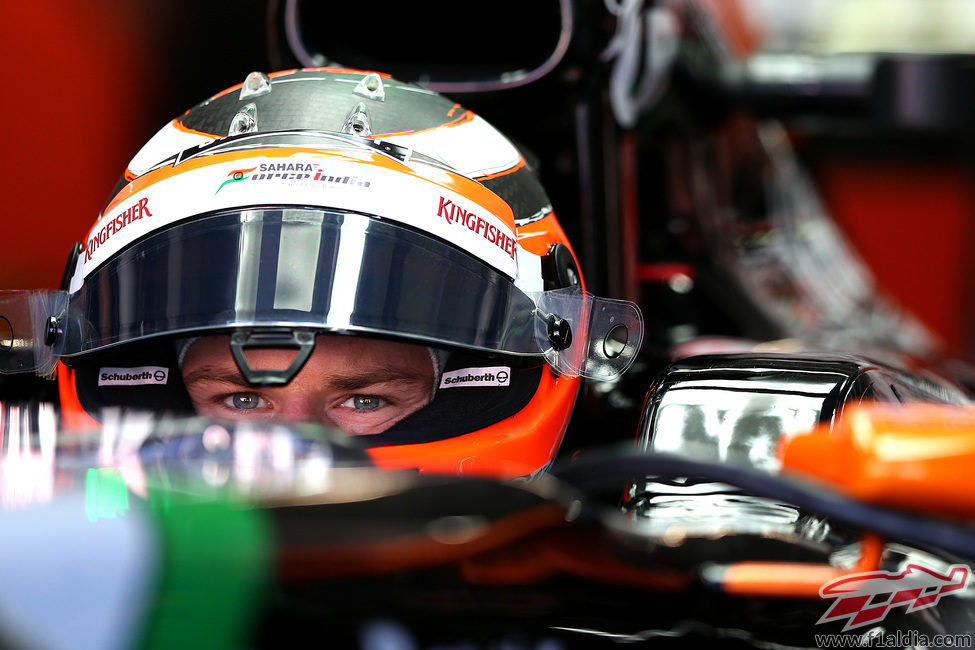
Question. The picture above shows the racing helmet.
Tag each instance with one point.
(335, 201)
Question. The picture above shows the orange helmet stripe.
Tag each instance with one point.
(456, 182)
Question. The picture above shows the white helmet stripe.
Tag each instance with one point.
(474, 148)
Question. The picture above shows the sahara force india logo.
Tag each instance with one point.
(865, 598)
(291, 171)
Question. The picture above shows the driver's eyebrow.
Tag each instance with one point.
(380, 375)
(214, 373)
(352, 380)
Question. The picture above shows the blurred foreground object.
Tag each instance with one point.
(918, 458)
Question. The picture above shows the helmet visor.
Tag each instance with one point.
(299, 268)
(322, 270)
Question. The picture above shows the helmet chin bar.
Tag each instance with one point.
(275, 338)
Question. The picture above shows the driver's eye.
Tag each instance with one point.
(246, 401)
(366, 402)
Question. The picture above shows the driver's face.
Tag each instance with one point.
(360, 386)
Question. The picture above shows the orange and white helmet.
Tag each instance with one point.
(338, 201)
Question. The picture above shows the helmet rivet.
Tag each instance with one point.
(559, 332)
(371, 87)
(357, 122)
(53, 330)
(255, 85)
(245, 121)
(559, 268)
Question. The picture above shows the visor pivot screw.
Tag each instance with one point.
(305, 337)
(559, 332)
(53, 330)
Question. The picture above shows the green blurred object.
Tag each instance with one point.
(214, 569)
(106, 494)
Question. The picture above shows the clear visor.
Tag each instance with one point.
(326, 271)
